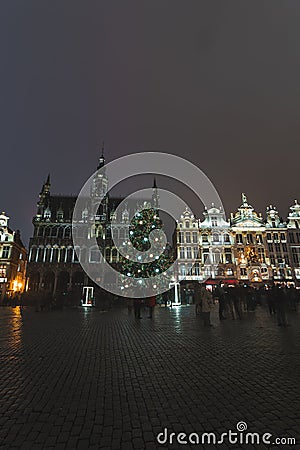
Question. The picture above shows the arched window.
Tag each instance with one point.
(114, 255)
(48, 254)
(107, 254)
(69, 255)
(40, 254)
(33, 254)
(62, 255)
(55, 255)
(183, 270)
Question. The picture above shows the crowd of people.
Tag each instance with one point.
(233, 301)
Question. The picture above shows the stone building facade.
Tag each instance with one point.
(246, 249)
(13, 260)
(54, 267)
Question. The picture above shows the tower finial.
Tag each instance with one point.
(101, 159)
(244, 199)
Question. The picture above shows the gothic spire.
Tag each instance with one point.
(101, 159)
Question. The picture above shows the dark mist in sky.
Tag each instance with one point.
(213, 81)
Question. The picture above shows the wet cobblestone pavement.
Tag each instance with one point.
(85, 379)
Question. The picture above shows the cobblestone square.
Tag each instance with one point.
(88, 379)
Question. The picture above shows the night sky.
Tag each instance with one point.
(217, 82)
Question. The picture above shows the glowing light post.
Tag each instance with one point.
(176, 285)
(88, 296)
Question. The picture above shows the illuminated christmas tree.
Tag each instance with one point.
(141, 239)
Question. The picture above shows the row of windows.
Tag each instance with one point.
(280, 261)
(195, 270)
(2, 271)
(278, 248)
(207, 257)
(248, 239)
(66, 232)
(294, 238)
(276, 237)
(69, 255)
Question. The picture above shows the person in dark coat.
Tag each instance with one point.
(137, 306)
(151, 303)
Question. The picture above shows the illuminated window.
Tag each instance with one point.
(249, 238)
(197, 269)
(181, 252)
(216, 237)
(5, 251)
(228, 257)
(183, 270)
(189, 252)
(188, 237)
(195, 237)
(2, 271)
(214, 221)
(239, 239)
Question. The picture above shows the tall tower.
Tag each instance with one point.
(100, 188)
(43, 198)
(155, 196)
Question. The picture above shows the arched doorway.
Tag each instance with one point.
(63, 280)
(48, 281)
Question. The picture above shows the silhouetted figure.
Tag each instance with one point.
(271, 300)
(219, 293)
(151, 304)
(137, 306)
(281, 303)
(206, 305)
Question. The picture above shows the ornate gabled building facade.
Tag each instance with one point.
(277, 246)
(217, 245)
(293, 239)
(249, 234)
(13, 260)
(247, 249)
(205, 249)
